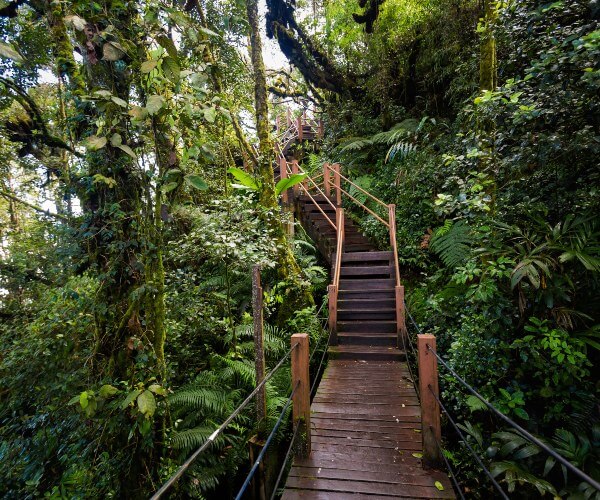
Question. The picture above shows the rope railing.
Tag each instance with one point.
(523, 432)
(266, 445)
(469, 447)
(183, 468)
(527, 435)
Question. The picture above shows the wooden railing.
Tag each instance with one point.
(328, 184)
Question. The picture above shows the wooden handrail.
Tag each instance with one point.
(309, 178)
(339, 218)
(393, 242)
(365, 207)
(358, 187)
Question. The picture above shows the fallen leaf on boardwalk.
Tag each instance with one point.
(439, 486)
(417, 455)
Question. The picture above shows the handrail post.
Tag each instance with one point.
(300, 128)
(283, 175)
(338, 184)
(288, 117)
(400, 315)
(332, 294)
(339, 216)
(327, 179)
(295, 171)
(430, 412)
(301, 398)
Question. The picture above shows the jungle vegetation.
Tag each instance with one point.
(126, 249)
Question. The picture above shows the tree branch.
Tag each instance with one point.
(11, 196)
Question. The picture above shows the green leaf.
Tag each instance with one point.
(167, 188)
(155, 103)
(146, 403)
(244, 177)
(157, 389)
(107, 391)
(148, 66)
(138, 113)
(417, 455)
(210, 114)
(206, 31)
(171, 69)
(119, 101)
(83, 400)
(115, 140)
(94, 143)
(288, 182)
(439, 486)
(74, 399)
(130, 398)
(112, 51)
(196, 182)
(475, 403)
(167, 44)
(520, 412)
(126, 149)
(9, 52)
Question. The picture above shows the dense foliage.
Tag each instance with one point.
(126, 245)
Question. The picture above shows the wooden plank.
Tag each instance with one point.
(350, 487)
(396, 477)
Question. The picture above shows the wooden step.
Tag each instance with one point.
(367, 271)
(366, 303)
(362, 257)
(367, 326)
(362, 294)
(371, 339)
(375, 284)
(366, 353)
(348, 314)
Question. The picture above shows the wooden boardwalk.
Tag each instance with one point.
(366, 424)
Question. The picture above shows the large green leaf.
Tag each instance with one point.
(245, 178)
(146, 403)
(171, 69)
(289, 182)
(155, 103)
(196, 182)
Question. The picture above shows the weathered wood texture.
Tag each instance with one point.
(366, 431)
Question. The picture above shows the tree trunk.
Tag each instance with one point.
(488, 65)
(289, 271)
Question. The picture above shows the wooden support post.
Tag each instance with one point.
(288, 117)
(301, 399)
(327, 179)
(400, 315)
(337, 181)
(430, 412)
(300, 128)
(332, 292)
(294, 172)
(283, 175)
(259, 352)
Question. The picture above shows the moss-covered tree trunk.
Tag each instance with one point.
(488, 65)
(297, 295)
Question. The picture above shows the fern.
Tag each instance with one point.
(514, 473)
(452, 242)
(403, 148)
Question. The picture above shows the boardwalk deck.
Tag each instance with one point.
(366, 424)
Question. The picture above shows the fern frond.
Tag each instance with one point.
(204, 399)
(452, 245)
(402, 148)
(356, 144)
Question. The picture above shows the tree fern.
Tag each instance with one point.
(452, 242)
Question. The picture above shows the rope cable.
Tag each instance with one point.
(173, 479)
(267, 443)
(464, 440)
(582, 475)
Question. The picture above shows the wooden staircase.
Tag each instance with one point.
(365, 421)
